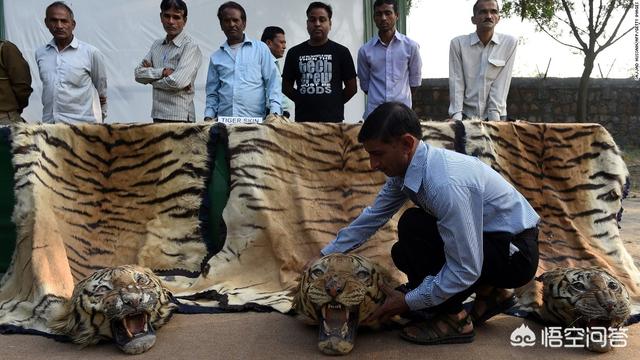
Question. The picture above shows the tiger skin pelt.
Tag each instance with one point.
(125, 303)
(588, 297)
(337, 292)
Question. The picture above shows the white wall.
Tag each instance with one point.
(124, 30)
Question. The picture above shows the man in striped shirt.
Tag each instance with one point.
(471, 232)
(171, 67)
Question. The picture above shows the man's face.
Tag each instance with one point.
(385, 17)
(173, 22)
(318, 24)
(277, 46)
(391, 158)
(232, 25)
(60, 24)
(486, 16)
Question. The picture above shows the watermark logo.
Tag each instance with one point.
(636, 28)
(523, 337)
(556, 336)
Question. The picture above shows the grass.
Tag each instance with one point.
(631, 157)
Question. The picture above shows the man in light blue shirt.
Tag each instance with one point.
(472, 231)
(389, 65)
(242, 79)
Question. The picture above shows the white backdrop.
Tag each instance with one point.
(124, 30)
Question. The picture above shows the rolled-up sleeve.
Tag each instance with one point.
(184, 74)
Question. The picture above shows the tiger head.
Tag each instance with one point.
(125, 303)
(336, 292)
(584, 297)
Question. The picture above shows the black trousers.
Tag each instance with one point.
(420, 252)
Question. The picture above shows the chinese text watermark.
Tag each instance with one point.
(556, 336)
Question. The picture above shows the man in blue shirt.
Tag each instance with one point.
(242, 79)
(389, 65)
(472, 231)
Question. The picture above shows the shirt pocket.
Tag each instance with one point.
(494, 68)
(251, 74)
(74, 75)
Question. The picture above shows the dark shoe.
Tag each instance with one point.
(492, 307)
(428, 333)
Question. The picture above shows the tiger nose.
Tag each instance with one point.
(334, 287)
(132, 301)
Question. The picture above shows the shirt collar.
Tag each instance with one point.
(74, 43)
(247, 40)
(474, 39)
(397, 35)
(415, 171)
(179, 40)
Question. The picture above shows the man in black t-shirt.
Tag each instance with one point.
(319, 67)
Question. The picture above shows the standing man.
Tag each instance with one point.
(389, 65)
(273, 36)
(15, 83)
(319, 67)
(480, 66)
(242, 79)
(71, 71)
(171, 67)
(471, 231)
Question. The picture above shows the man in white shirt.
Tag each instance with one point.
(480, 66)
(71, 71)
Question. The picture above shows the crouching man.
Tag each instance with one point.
(471, 232)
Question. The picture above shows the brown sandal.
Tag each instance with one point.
(492, 307)
(428, 332)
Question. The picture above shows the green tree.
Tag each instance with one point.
(594, 25)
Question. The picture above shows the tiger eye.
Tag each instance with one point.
(578, 286)
(317, 272)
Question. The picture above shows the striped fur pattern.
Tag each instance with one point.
(293, 186)
(125, 304)
(94, 196)
(584, 297)
(337, 292)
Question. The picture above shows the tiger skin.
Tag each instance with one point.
(588, 297)
(337, 292)
(125, 303)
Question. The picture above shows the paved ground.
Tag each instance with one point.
(276, 336)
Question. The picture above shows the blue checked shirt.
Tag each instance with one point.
(244, 84)
(466, 196)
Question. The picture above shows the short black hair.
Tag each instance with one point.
(475, 6)
(388, 2)
(232, 5)
(61, 4)
(178, 5)
(270, 33)
(320, 5)
(389, 121)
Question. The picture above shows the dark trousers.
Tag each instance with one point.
(420, 252)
